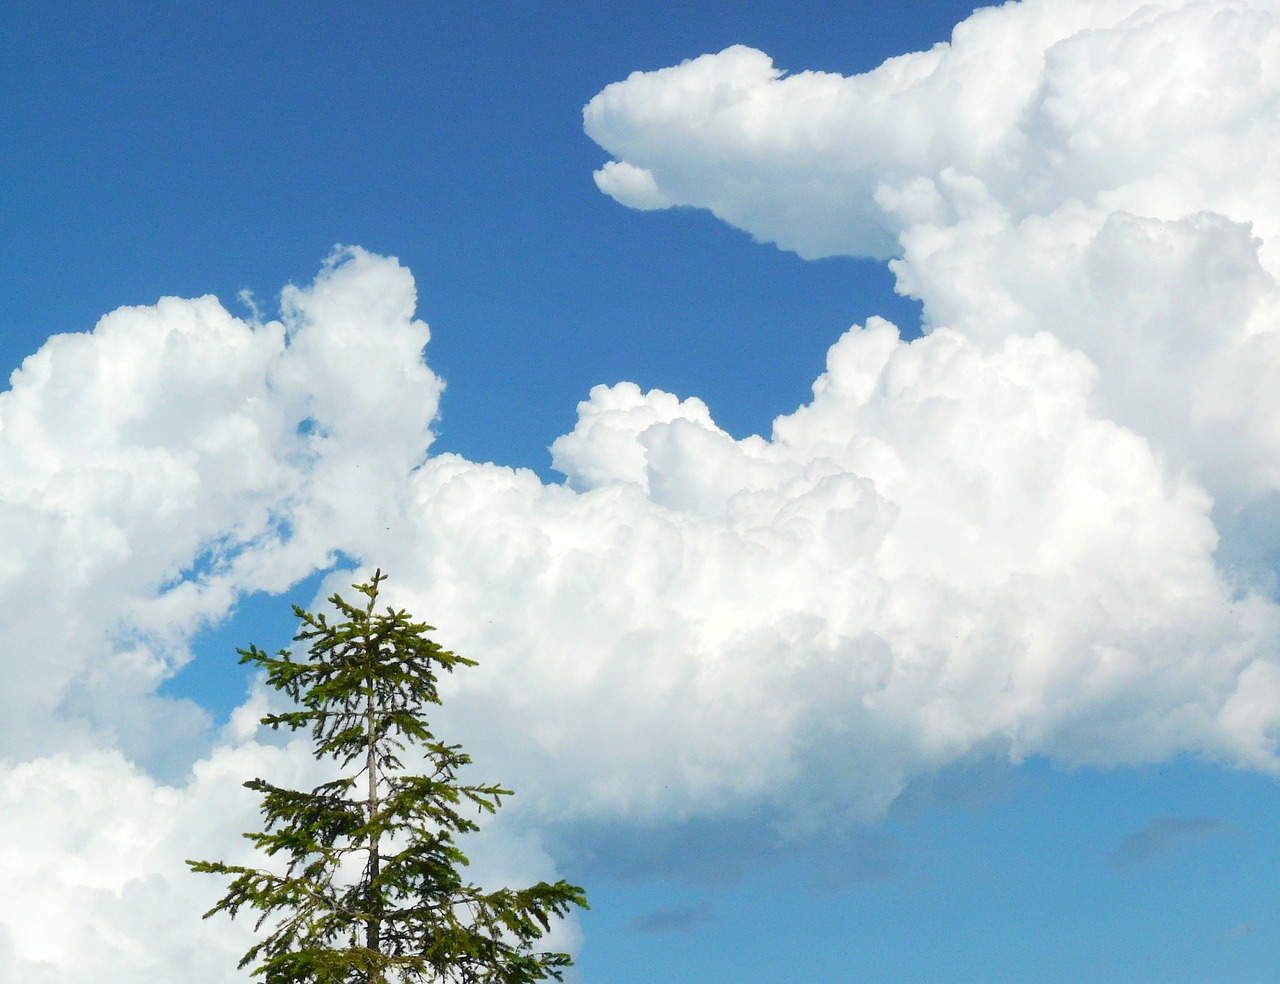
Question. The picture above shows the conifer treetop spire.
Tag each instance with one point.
(408, 916)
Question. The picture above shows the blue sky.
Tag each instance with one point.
(247, 145)
(970, 673)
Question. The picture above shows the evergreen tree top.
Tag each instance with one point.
(408, 915)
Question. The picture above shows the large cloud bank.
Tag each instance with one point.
(1101, 171)
(1043, 528)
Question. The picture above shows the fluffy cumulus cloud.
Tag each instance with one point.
(154, 468)
(1042, 528)
(1102, 171)
(946, 551)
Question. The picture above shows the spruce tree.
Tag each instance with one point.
(372, 890)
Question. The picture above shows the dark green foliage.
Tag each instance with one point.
(408, 915)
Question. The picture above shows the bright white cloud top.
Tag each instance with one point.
(1101, 171)
(1004, 537)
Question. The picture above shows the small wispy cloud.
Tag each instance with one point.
(672, 919)
(1243, 929)
(1160, 838)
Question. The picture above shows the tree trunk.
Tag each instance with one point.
(374, 925)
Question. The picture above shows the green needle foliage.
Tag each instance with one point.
(372, 892)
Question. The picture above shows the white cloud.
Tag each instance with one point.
(92, 862)
(1159, 107)
(1102, 171)
(631, 185)
(175, 457)
(946, 551)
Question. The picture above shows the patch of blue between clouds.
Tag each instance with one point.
(1249, 545)
(214, 678)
